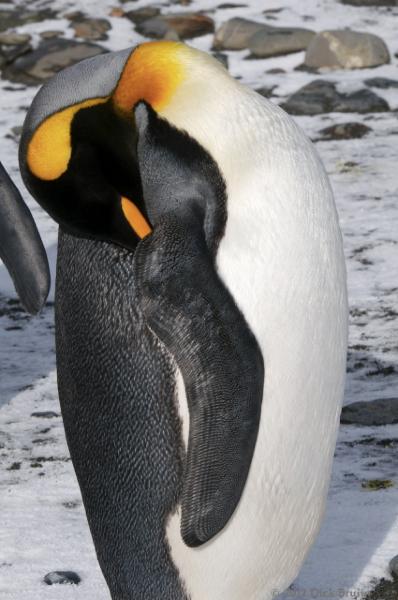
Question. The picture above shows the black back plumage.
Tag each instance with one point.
(117, 392)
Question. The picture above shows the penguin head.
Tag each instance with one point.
(78, 152)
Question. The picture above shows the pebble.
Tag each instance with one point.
(91, 29)
(14, 39)
(321, 96)
(20, 16)
(344, 131)
(222, 58)
(140, 15)
(47, 414)
(383, 83)
(266, 92)
(370, 2)
(383, 411)
(50, 34)
(384, 590)
(393, 566)
(62, 577)
(186, 25)
(51, 56)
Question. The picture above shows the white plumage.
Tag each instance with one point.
(282, 259)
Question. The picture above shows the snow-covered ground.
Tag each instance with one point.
(42, 523)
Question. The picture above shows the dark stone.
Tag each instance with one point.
(321, 96)
(91, 29)
(370, 2)
(266, 92)
(222, 58)
(231, 5)
(10, 53)
(383, 83)
(16, 17)
(62, 577)
(393, 566)
(185, 25)
(48, 414)
(344, 131)
(373, 485)
(14, 467)
(383, 411)
(140, 15)
(50, 34)
(384, 590)
(14, 39)
(276, 71)
(50, 57)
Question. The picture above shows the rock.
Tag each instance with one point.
(276, 71)
(47, 414)
(344, 49)
(91, 29)
(236, 33)
(222, 58)
(171, 35)
(370, 2)
(383, 411)
(230, 5)
(19, 16)
(384, 590)
(272, 11)
(266, 92)
(383, 83)
(185, 25)
(117, 12)
(62, 577)
(9, 53)
(344, 131)
(14, 39)
(14, 467)
(51, 34)
(75, 15)
(50, 57)
(277, 41)
(15, 135)
(393, 566)
(373, 485)
(321, 96)
(142, 14)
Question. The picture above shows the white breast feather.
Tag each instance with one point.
(281, 258)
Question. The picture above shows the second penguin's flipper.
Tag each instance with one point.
(21, 248)
(190, 310)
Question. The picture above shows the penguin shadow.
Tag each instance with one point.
(27, 344)
(362, 507)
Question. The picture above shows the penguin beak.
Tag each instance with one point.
(21, 248)
(187, 306)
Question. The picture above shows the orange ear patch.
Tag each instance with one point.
(135, 218)
(50, 149)
(152, 73)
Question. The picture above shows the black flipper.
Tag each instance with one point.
(190, 310)
(21, 248)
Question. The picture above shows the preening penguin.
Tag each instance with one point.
(201, 320)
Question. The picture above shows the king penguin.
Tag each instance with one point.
(201, 319)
